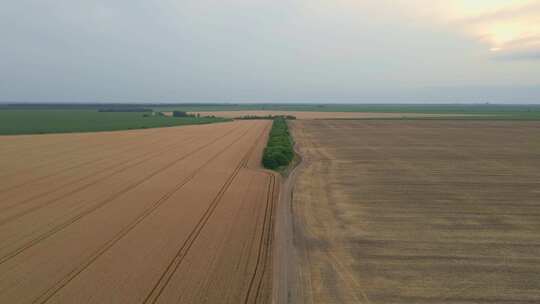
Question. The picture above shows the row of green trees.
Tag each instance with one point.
(124, 109)
(248, 117)
(279, 150)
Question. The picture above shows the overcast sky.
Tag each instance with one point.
(270, 51)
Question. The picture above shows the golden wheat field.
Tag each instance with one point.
(171, 215)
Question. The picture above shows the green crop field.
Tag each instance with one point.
(61, 118)
(40, 121)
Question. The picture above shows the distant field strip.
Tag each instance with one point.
(417, 212)
(53, 120)
(336, 115)
(175, 215)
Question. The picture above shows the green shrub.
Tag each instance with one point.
(180, 114)
(269, 162)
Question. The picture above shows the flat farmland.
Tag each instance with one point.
(331, 115)
(173, 215)
(416, 212)
(66, 120)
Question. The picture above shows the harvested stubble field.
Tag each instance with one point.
(175, 215)
(417, 212)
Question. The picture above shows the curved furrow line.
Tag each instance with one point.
(43, 298)
(166, 276)
(256, 270)
(270, 238)
(61, 160)
(17, 146)
(152, 154)
(72, 220)
(263, 252)
(53, 174)
(38, 179)
(48, 143)
(45, 147)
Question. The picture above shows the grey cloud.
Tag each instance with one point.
(532, 55)
(209, 50)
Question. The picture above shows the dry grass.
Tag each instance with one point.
(418, 212)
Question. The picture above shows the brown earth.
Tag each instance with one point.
(416, 212)
(172, 215)
(321, 115)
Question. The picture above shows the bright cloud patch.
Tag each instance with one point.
(511, 29)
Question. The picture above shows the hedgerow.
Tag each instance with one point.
(279, 150)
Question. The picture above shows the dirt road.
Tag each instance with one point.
(416, 212)
(173, 215)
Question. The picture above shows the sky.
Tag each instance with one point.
(343, 51)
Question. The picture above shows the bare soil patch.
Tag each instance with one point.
(417, 212)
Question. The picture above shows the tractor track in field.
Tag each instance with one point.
(265, 243)
(77, 166)
(49, 162)
(161, 284)
(186, 216)
(72, 220)
(16, 147)
(72, 275)
(152, 154)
